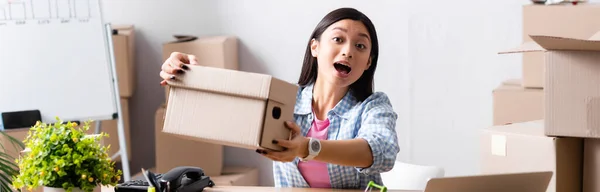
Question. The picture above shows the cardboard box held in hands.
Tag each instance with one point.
(230, 107)
(571, 91)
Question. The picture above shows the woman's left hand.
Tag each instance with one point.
(296, 147)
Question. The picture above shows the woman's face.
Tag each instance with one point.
(343, 53)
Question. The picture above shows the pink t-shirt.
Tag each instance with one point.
(315, 172)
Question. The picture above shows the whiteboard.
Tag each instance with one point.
(54, 57)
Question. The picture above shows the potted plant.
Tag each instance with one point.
(8, 167)
(62, 157)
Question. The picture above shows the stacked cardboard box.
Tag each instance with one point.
(513, 103)
(172, 151)
(562, 133)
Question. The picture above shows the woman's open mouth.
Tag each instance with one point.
(342, 68)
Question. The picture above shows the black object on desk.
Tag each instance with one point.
(179, 179)
(20, 119)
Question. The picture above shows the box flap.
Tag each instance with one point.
(512, 82)
(529, 46)
(123, 27)
(183, 38)
(195, 39)
(543, 43)
(563, 43)
(515, 85)
(232, 82)
(532, 128)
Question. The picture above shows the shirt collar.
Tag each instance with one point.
(304, 103)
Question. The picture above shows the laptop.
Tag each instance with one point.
(507, 182)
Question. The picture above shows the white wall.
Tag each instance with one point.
(438, 63)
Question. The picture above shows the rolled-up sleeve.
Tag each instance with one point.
(378, 128)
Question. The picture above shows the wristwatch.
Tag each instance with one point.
(314, 147)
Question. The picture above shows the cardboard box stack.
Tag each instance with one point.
(513, 103)
(557, 127)
(172, 151)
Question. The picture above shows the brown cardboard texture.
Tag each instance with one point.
(236, 176)
(563, 20)
(213, 51)
(173, 151)
(523, 147)
(7, 146)
(591, 165)
(124, 51)
(110, 127)
(229, 107)
(571, 91)
(514, 103)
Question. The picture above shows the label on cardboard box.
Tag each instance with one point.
(499, 145)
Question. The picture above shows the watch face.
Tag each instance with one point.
(315, 146)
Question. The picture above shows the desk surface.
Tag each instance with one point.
(272, 189)
(267, 189)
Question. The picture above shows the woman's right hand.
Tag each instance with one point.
(176, 64)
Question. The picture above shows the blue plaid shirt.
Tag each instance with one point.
(373, 120)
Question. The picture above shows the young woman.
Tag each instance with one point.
(345, 132)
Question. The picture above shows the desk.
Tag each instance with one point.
(267, 189)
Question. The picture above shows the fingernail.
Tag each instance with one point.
(180, 71)
(185, 67)
(274, 141)
(172, 77)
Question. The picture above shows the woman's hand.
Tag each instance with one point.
(296, 147)
(175, 64)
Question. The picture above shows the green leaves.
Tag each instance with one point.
(62, 155)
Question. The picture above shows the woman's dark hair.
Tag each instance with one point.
(363, 87)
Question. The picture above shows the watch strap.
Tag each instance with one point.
(311, 155)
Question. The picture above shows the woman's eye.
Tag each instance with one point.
(361, 46)
(337, 39)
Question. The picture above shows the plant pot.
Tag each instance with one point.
(54, 189)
